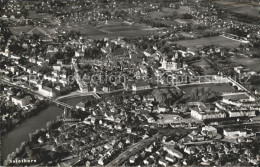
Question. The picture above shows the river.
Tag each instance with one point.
(20, 133)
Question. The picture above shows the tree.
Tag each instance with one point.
(150, 71)
(17, 150)
(186, 16)
(204, 94)
(158, 95)
(168, 96)
(53, 155)
(58, 117)
(42, 156)
(19, 115)
(29, 152)
(45, 70)
(177, 6)
(255, 80)
(13, 155)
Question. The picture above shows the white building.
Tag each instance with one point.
(140, 86)
(209, 129)
(172, 151)
(56, 67)
(149, 118)
(242, 113)
(234, 133)
(21, 101)
(101, 161)
(202, 115)
(238, 69)
(79, 53)
(15, 57)
(46, 91)
(81, 106)
(171, 65)
(7, 52)
(163, 162)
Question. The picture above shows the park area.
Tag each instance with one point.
(42, 16)
(243, 7)
(84, 29)
(113, 29)
(174, 14)
(219, 87)
(217, 40)
(26, 29)
(20, 29)
(75, 100)
(204, 66)
(168, 12)
(248, 62)
(47, 17)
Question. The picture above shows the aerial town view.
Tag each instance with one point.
(130, 83)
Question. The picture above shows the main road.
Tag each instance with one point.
(133, 150)
(141, 145)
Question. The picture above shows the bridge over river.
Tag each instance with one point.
(75, 94)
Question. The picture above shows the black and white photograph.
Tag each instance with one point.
(118, 83)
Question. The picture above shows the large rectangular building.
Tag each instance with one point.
(21, 101)
(203, 115)
(242, 113)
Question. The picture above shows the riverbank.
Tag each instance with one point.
(41, 106)
(19, 134)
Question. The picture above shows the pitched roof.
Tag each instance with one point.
(38, 31)
(47, 89)
(81, 104)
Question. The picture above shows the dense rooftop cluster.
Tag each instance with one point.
(174, 83)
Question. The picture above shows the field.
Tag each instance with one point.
(204, 66)
(25, 29)
(168, 12)
(185, 21)
(19, 30)
(74, 101)
(244, 7)
(112, 29)
(216, 87)
(84, 29)
(248, 62)
(34, 15)
(218, 40)
(42, 16)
